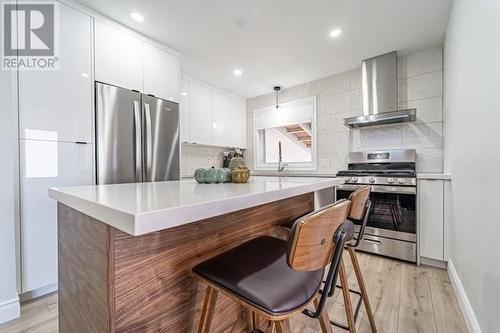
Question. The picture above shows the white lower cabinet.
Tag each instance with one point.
(431, 216)
(45, 164)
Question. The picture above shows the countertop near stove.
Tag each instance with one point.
(437, 176)
(141, 208)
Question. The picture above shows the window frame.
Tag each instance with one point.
(291, 167)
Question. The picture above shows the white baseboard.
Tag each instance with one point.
(10, 310)
(463, 300)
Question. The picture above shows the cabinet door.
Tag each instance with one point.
(238, 123)
(184, 110)
(161, 73)
(46, 164)
(430, 214)
(118, 57)
(200, 114)
(221, 119)
(57, 105)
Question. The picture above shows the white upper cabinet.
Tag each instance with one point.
(431, 218)
(238, 123)
(161, 73)
(118, 57)
(200, 114)
(221, 119)
(45, 164)
(57, 105)
(184, 110)
(210, 116)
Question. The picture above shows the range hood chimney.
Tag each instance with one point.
(380, 93)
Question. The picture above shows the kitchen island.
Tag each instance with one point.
(126, 251)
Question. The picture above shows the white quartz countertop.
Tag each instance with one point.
(141, 208)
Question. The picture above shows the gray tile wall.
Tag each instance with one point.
(339, 96)
(195, 156)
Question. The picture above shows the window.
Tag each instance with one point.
(291, 126)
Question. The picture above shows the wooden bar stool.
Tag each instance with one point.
(359, 211)
(276, 279)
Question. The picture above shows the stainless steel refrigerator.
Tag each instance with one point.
(137, 136)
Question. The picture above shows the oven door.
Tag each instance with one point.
(393, 211)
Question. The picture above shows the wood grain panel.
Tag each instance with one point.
(83, 246)
(154, 288)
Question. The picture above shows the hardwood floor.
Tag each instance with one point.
(405, 298)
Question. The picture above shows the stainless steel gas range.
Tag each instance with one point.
(392, 225)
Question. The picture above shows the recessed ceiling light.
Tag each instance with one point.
(136, 17)
(237, 72)
(335, 33)
(184, 93)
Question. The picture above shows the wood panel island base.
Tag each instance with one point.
(113, 281)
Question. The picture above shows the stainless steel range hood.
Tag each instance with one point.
(380, 93)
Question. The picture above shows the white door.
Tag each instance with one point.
(238, 123)
(118, 57)
(430, 216)
(200, 114)
(221, 119)
(161, 73)
(184, 110)
(45, 164)
(57, 105)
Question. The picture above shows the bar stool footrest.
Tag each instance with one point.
(356, 312)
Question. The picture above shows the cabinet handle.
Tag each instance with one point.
(81, 142)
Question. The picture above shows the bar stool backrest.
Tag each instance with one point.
(358, 199)
(311, 242)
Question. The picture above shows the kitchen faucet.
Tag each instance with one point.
(281, 165)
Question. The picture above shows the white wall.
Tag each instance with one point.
(472, 151)
(9, 301)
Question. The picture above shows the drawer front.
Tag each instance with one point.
(389, 247)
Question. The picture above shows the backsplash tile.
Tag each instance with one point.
(340, 96)
(429, 110)
(421, 86)
(423, 135)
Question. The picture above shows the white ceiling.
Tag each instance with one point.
(280, 42)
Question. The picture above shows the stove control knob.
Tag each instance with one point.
(372, 180)
(354, 179)
(347, 179)
(390, 180)
(401, 180)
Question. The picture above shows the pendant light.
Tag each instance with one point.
(277, 90)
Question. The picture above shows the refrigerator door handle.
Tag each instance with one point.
(148, 146)
(137, 140)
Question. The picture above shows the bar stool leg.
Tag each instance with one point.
(361, 283)
(208, 310)
(324, 321)
(347, 298)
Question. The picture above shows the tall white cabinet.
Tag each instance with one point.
(46, 164)
(210, 116)
(55, 145)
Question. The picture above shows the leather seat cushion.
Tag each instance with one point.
(257, 271)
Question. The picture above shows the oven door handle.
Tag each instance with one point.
(381, 188)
